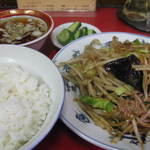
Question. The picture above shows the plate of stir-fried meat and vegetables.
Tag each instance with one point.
(107, 82)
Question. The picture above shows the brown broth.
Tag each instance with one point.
(21, 30)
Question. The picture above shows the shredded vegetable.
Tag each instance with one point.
(114, 86)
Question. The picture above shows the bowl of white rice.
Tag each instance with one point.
(31, 97)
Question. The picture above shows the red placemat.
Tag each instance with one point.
(62, 138)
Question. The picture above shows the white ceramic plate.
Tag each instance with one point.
(62, 26)
(71, 113)
(41, 66)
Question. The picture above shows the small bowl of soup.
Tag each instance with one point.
(25, 27)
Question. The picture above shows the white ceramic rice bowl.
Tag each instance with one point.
(41, 66)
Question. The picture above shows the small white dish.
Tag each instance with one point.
(66, 25)
(73, 116)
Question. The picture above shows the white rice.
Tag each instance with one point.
(24, 104)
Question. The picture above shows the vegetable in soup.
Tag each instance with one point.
(21, 29)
